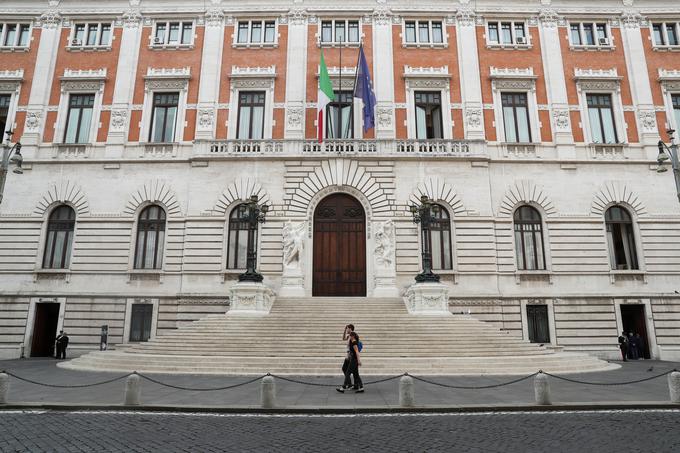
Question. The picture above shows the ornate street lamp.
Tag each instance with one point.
(424, 214)
(253, 214)
(10, 154)
(675, 163)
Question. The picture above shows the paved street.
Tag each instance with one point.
(605, 431)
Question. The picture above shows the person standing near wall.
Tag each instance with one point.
(62, 344)
(623, 346)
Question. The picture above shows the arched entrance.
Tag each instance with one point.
(339, 264)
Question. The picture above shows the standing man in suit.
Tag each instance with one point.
(62, 344)
(623, 346)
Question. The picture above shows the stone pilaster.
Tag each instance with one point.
(384, 79)
(209, 88)
(296, 73)
(470, 79)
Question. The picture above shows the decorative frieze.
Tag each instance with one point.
(550, 19)
(214, 17)
(49, 20)
(131, 19)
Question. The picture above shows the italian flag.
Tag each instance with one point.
(326, 96)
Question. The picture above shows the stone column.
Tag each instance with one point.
(209, 88)
(43, 75)
(125, 82)
(640, 87)
(556, 87)
(296, 73)
(383, 75)
(470, 77)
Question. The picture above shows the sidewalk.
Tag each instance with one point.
(298, 396)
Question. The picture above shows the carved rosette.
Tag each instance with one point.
(647, 120)
(561, 120)
(118, 119)
(33, 121)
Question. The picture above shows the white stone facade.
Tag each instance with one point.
(481, 180)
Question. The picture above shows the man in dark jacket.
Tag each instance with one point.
(623, 346)
(62, 344)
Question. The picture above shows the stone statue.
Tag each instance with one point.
(293, 244)
(384, 243)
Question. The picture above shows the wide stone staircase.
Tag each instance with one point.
(303, 337)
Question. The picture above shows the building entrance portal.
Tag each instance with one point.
(633, 320)
(339, 263)
(44, 329)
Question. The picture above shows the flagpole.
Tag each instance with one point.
(356, 76)
(340, 92)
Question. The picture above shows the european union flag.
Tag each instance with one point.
(363, 89)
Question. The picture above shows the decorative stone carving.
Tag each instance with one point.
(384, 244)
(293, 244)
(118, 119)
(297, 17)
(154, 191)
(466, 17)
(82, 85)
(616, 192)
(473, 118)
(550, 19)
(206, 118)
(647, 120)
(253, 77)
(294, 117)
(382, 16)
(438, 190)
(168, 73)
(250, 298)
(384, 115)
(561, 120)
(214, 17)
(49, 20)
(33, 120)
(427, 299)
(514, 84)
(64, 191)
(631, 19)
(131, 19)
(580, 73)
(522, 192)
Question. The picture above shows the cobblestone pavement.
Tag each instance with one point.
(597, 431)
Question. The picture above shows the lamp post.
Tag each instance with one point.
(10, 154)
(254, 214)
(423, 214)
(673, 156)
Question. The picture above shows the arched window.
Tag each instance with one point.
(529, 239)
(150, 238)
(440, 239)
(620, 239)
(60, 228)
(237, 242)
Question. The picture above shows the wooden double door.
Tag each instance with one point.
(339, 266)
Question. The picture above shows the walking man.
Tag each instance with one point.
(353, 367)
(623, 346)
(62, 344)
(349, 328)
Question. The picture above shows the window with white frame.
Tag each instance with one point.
(594, 34)
(256, 32)
(428, 109)
(79, 118)
(666, 34)
(173, 34)
(516, 117)
(601, 118)
(620, 239)
(164, 117)
(340, 32)
(237, 240)
(675, 99)
(529, 251)
(426, 32)
(59, 241)
(15, 35)
(150, 238)
(339, 116)
(251, 109)
(5, 102)
(507, 33)
(91, 35)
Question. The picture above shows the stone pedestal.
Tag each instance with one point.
(385, 286)
(427, 299)
(292, 284)
(250, 298)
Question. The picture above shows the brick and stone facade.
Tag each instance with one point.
(204, 171)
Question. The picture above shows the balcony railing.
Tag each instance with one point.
(392, 148)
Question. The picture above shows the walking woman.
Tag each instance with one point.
(353, 366)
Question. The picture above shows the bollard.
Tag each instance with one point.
(133, 390)
(674, 386)
(407, 392)
(542, 389)
(268, 392)
(4, 388)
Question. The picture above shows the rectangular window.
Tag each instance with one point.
(164, 117)
(140, 322)
(256, 32)
(251, 115)
(676, 109)
(516, 117)
(428, 106)
(14, 35)
(437, 33)
(601, 117)
(657, 30)
(269, 31)
(339, 118)
(493, 32)
(91, 35)
(537, 324)
(666, 33)
(588, 35)
(242, 36)
(671, 32)
(173, 33)
(519, 31)
(340, 31)
(575, 33)
(423, 32)
(4, 114)
(79, 118)
(507, 33)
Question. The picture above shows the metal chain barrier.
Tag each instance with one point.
(637, 381)
(190, 389)
(74, 386)
(319, 384)
(472, 387)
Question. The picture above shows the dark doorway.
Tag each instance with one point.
(140, 322)
(633, 319)
(339, 247)
(44, 329)
(537, 323)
